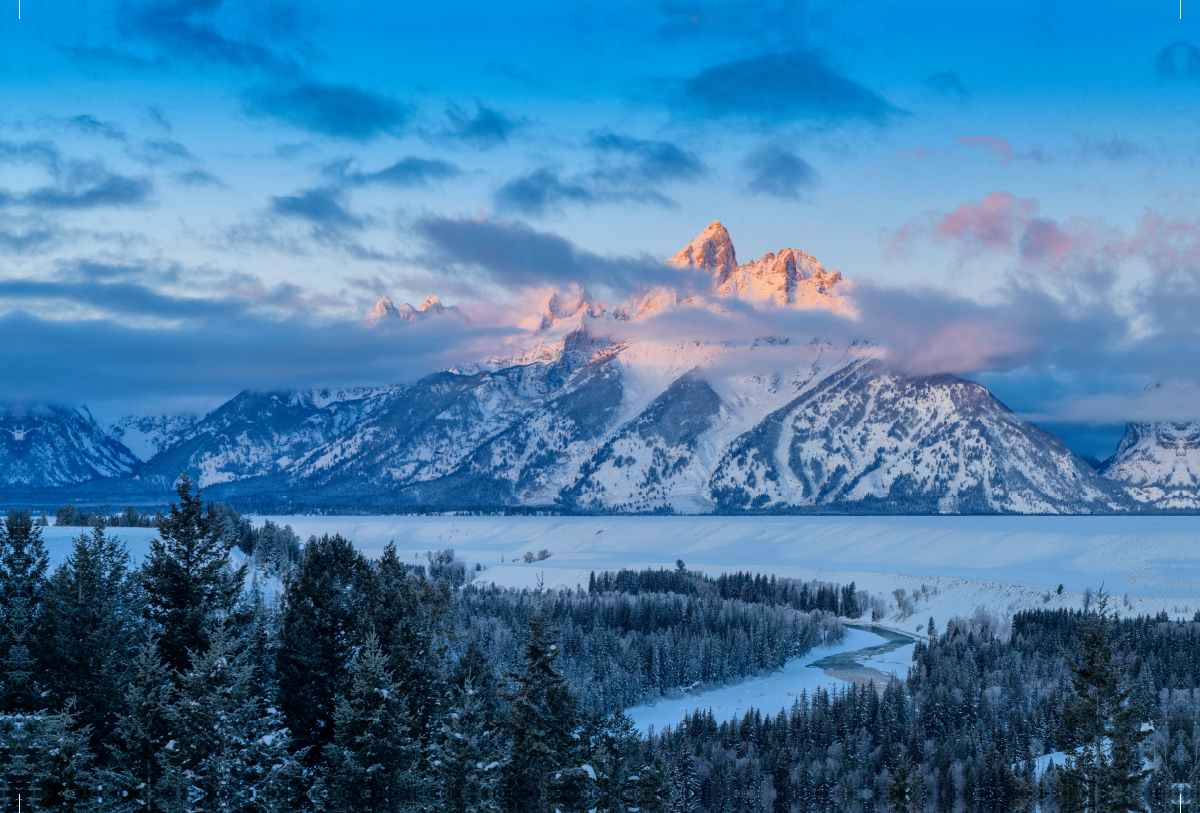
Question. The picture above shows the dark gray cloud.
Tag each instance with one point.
(542, 190)
(90, 125)
(512, 255)
(627, 169)
(215, 32)
(332, 109)
(781, 87)
(323, 208)
(1178, 61)
(947, 83)
(85, 185)
(779, 172)
(485, 129)
(653, 161)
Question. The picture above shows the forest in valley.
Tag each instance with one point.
(238, 669)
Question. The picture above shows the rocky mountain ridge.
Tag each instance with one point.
(583, 415)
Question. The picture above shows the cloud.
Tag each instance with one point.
(1001, 149)
(323, 208)
(86, 185)
(779, 172)
(44, 153)
(339, 110)
(154, 152)
(653, 161)
(485, 129)
(627, 169)
(198, 177)
(1115, 149)
(406, 173)
(792, 86)
(514, 256)
(1179, 61)
(89, 125)
(948, 84)
(214, 31)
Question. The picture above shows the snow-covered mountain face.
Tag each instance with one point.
(146, 436)
(593, 410)
(49, 446)
(1159, 463)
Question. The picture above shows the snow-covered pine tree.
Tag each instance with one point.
(541, 727)
(467, 756)
(323, 608)
(232, 752)
(64, 777)
(373, 761)
(87, 632)
(23, 565)
(144, 771)
(1101, 724)
(188, 578)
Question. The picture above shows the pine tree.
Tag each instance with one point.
(323, 607)
(144, 770)
(466, 756)
(23, 565)
(542, 724)
(1101, 726)
(87, 627)
(64, 778)
(188, 579)
(232, 753)
(373, 762)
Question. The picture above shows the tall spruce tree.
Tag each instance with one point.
(64, 776)
(188, 579)
(541, 727)
(321, 624)
(23, 565)
(1101, 724)
(466, 756)
(373, 762)
(88, 632)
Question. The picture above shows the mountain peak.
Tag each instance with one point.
(384, 310)
(712, 250)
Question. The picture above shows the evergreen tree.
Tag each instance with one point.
(542, 724)
(1101, 725)
(88, 626)
(373, 762)
(187, 577)
(64, 778)
(232, 752)
(23, 565)
(466, 756)
(144, 763)
(323, 607)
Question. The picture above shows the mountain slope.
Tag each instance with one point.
(48, 446)
(1159, 464)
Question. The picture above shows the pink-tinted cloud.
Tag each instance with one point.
(1000, 149)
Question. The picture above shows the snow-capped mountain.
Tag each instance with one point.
(384, 311)
(1159, 463)
(590, 410)
(146, 436)
(46, 446)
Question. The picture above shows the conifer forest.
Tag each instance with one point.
(183, 684)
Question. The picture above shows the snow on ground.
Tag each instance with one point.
(1003, 564)
(895, 662)
(59, 541)
(768, 694)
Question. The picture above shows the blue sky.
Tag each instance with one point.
(198, 196)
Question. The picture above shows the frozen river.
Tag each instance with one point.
(863, 655)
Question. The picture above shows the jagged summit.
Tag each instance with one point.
(712, 250)
(790, 278)
(385, 310)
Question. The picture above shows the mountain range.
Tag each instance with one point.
(587, 414)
